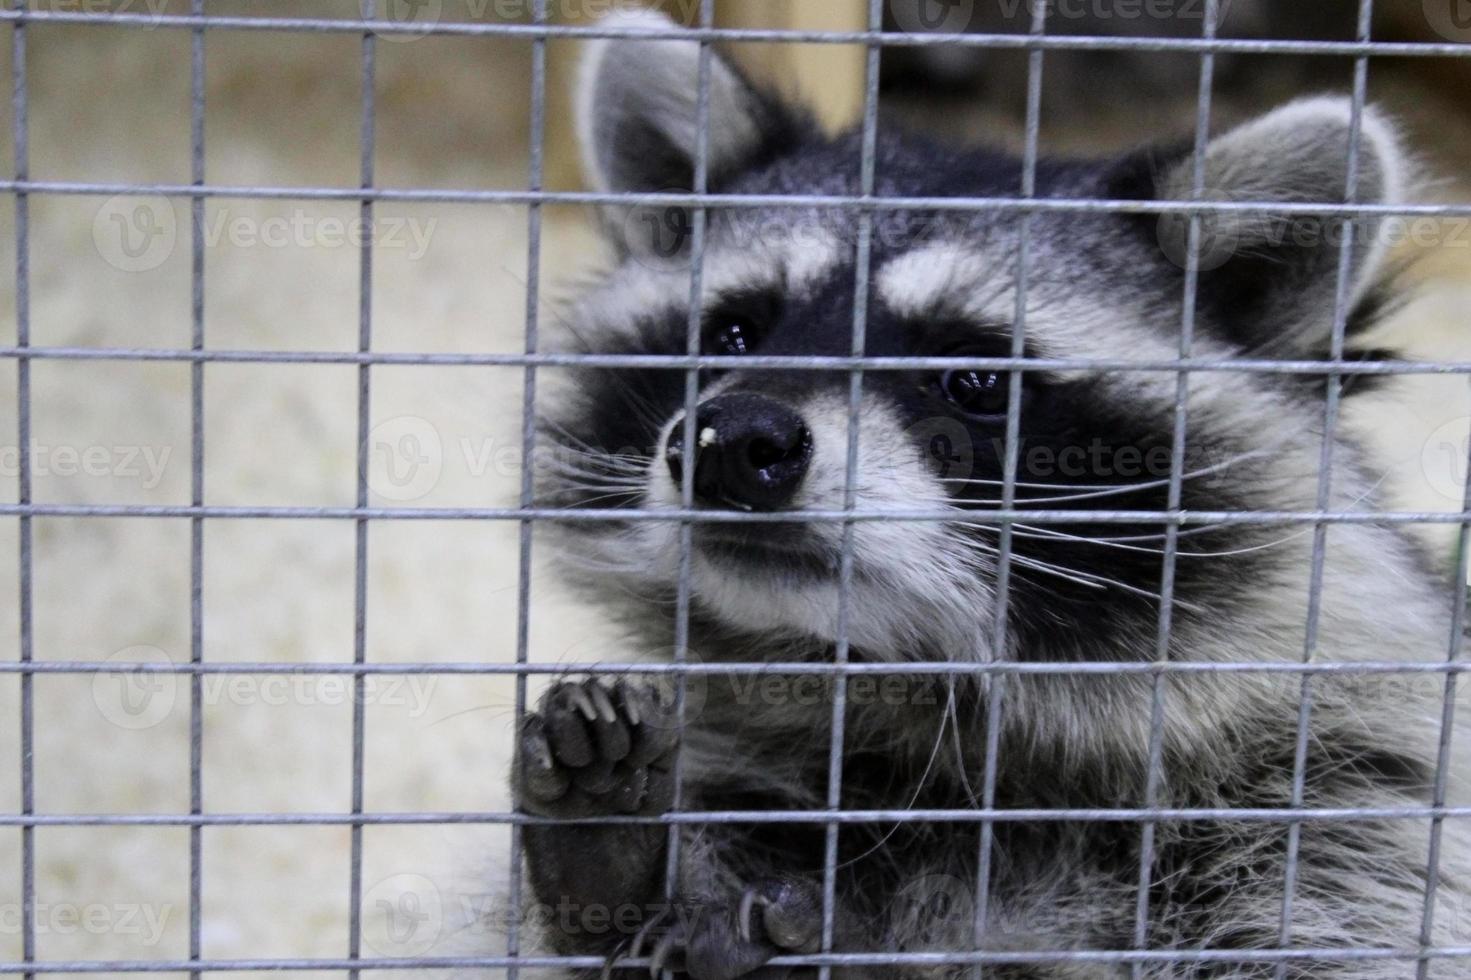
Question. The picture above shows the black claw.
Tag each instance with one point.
(569, 738)
(715, 951)
(612, 733)
(750, 898)
(591, 749)
(629, 702)
(577, 696)
(666, 946)
(540, 775)
(601, 703)
(636, 947)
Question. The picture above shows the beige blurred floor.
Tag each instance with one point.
(113, 105)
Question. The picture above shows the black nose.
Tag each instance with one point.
(751, 453)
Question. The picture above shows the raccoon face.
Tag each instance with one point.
(943, 283)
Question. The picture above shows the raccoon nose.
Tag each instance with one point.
(751, 453)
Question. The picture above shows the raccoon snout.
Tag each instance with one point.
(751, 453)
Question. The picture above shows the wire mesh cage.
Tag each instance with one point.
(280, 614)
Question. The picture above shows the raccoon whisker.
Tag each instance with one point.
(646, 411)
(616, 574)
(584, 451)
(952, 714)
(1128, 538)
(573, 472)
(1029, 531)
(1051, 535)
(571, 441)
(651, 414)
(979, 481)
(625, 464)
(591, 471)
(594, 486)
(619, 495)
(947, 719)
(592, 482)
(1190, 532)
(1078, 578)
(568, 482)
(1088, 579)
(1109, 490)
(574, 457)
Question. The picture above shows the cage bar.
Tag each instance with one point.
(196, 488)
(1012, 521)
(20, 135)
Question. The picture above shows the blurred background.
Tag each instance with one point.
(111, 104)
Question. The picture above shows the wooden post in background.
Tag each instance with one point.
(829, 78)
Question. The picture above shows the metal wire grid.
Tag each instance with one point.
(534, 198)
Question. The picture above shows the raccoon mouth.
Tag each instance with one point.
(771, 548)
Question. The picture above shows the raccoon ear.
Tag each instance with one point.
(637, 109)
(1271, 280)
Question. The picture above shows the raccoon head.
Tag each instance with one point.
(942, 283)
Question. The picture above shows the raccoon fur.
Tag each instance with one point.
(1036, 895)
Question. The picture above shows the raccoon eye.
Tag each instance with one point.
(732, 338)
(736, 325)
(983, 395)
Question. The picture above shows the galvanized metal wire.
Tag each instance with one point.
(1008, 518)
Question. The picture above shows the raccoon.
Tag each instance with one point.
(1078, 722)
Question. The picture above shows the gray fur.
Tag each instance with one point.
(925, 592)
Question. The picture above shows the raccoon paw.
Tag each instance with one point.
(594, 750)
(775, 917)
